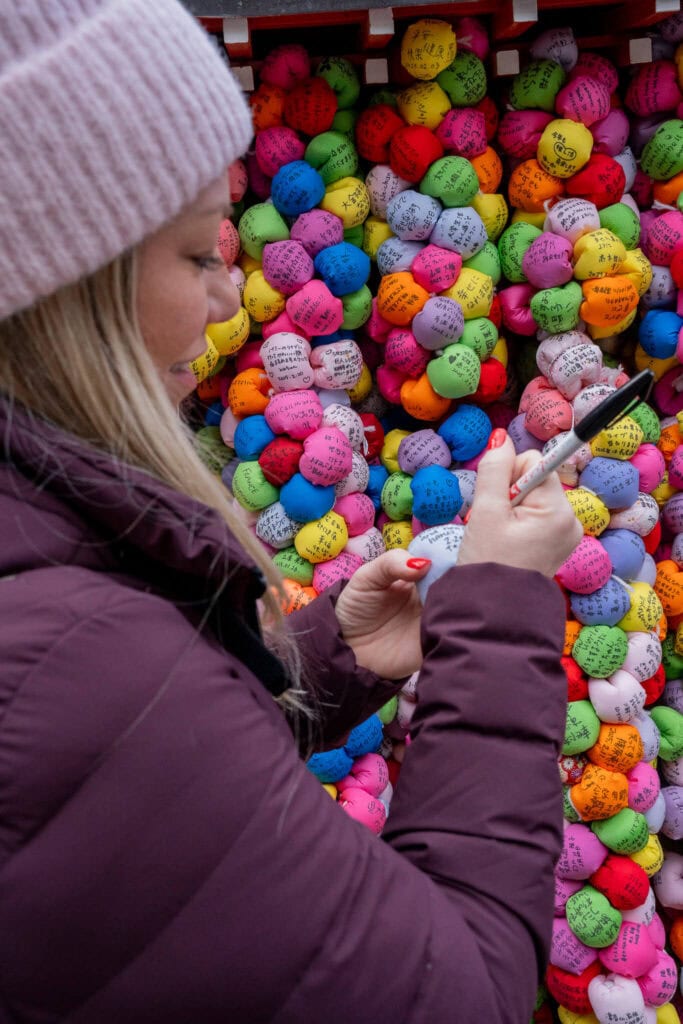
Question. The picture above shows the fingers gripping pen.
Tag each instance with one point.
(610, 411)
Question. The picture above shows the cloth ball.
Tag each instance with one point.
(456, 373)
(664, 236)
(658, 333)
(452, 180)
(427, 48)
(520, 131)
(403, 353)
(296, 188)
(564, 147)
(608, 301)
(411, 151)
(587, 569)
(557, 309)
(601, 181)
(317, 229)
(297, 413)
(286, 66)
(341, 76)
(343, 267)
(610, 133)
(436, 495)
(310, 106)
(537, 86)
(461, 230)
(547, 261)
(348, 199)
(258, 225)
(512, 247)
(464, 80)
(653, 89)
(598, 67)
(597, 254)
(279, 460)
(375, 128)
(530, 187)
(440, 544)
(435, 269)
(621, 220)
(412, 216)
(572, 218)
(276, 147)
(423, 103)
(463, 132)
(337, 365)
(400, 298)
(303, 500)
(287, 266)
(382, 185)
(326, 457)
(333, 155)
(584, 100)
(556, 44)
(440, 322)
(315, 309)
(662, 156)
(605, 606)
(422, 449)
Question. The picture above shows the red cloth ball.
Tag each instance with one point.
(601, 181)
(622, 881)
(490, 111)
(279, 460)
(577, 681)
(310, 106)
(496, 312)
(571, 990)
(374, 435)
(676, 267)
(653, 539)
(492, 382)
(375, 128)
(394, 769)
(654, 686)
(413, 148)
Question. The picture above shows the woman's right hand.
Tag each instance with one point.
(539, 533)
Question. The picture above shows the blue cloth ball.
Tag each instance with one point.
(343, 267)
(615, 482)
(604, 607)
(377, 478)
(304, 501)
(328, 339)
(365, 738)
(626, 550)
(466, 432)
(252, 435)
(296, 188)
(658, 333)
(214, 414)
(330, 765)
(436, 495)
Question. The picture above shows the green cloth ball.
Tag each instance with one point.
(464, 80)
(557, 309)
(568, 811)
(592, 918)
(397, 496)
(672, 662)
(258, 225)
(293, 566)
(487, 262)
(648, 421)
(669, 721)
(625, 832)
(537, 86)
(452, 180)
(512, 245)
(251, 489)
(341, 76)
(600, 650)
(357, 308)
(456, 373)
(582, 727)
(333, 155)
(355, 235)
(212, 449)
(662, 156)
(345, 122)
(481, 335)
(621, 220)
(387, 713)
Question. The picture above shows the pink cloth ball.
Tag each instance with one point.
(402, 352)
(519, 132)
(436, 269)
(515, 310)
(369, 772)
(317, 230)
(653, 89)
(297, 413)
(587, 569)
(463, 132)
(366, 809)
(316, 309)
(357, 511)
(610, 133)
(548, 261)
(283, 322)
(651, 467)
(664, 236)
(287, 266)
(286, 65)
(583, 99)
(341, 567)
(274, 147)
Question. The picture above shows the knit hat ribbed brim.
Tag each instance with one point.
(114, 115)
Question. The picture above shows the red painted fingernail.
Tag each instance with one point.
(497, 439)
(418, 563)
(466, 517)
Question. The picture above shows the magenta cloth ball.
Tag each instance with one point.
(287, 266)
(277, 146)
(583, 99)
(463, 132)
(548, 261)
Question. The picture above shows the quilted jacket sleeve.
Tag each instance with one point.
(166, 856)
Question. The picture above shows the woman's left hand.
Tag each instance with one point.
(379, 612)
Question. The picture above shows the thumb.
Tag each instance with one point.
(388, 567)
(494, 476)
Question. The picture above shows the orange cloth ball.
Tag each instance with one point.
(530, 187)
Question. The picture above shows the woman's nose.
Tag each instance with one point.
(224, 298)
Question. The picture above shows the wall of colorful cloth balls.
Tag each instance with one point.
(419, 264)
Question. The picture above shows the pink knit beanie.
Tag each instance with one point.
(114, 115)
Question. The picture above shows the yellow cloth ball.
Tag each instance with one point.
(322, 539)
(637, 267)
(651, 857)
(590, 510)
(564, 147)
(537, 220)
(659, 367)
(663, 491)
(363, 386)
(397, 535)
(423, 103)
(621, 441)
(597, 254)
(474, 291)
(348, 199)
(248, 264)
(493, 210)
(598, 333)
(206, 364)
(428, 47)
(389, 453)
(261, 301)
(500, 352)
(645, 611)
(375, 231)
(230, 335)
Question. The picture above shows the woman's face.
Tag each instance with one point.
(183, 285)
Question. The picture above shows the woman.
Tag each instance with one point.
(165, 855)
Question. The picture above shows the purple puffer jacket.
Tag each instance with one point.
(165, 856)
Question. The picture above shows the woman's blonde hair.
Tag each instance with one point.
(78, 359)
